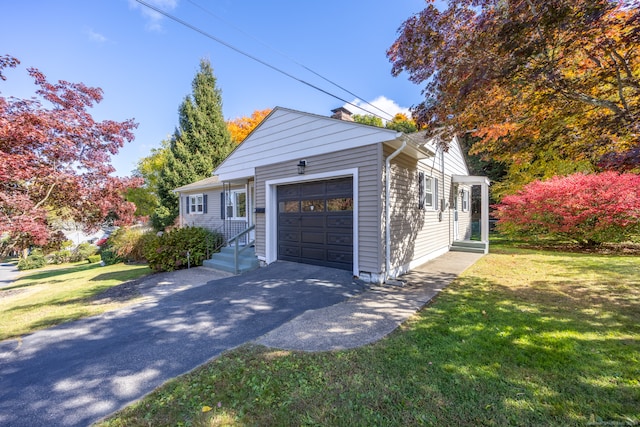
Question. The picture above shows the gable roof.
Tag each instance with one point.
(293, 135)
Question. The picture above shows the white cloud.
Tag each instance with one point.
(96, 37)
(154, 19)
(383, 103)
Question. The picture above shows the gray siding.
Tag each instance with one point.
(367, 160)
(415, 232)
(212, 220)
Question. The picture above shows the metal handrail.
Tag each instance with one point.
(236, 247)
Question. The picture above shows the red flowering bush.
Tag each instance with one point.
(588, 209)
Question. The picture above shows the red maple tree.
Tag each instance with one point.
(55, 161)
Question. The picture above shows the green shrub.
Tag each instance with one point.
(128, 244)
(108, 255)
(83, 251)
(94, 258)
(162, 218)
(34, 260)
(59, 257)
(168, 251)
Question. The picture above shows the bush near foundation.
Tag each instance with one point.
(180, 247)
(589, 209)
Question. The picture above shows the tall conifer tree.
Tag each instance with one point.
(199, 144)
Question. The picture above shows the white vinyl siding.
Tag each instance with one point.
(366, 160)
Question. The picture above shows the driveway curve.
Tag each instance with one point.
(79, 372)
(8, 273)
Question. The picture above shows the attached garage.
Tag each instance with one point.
(315, 222)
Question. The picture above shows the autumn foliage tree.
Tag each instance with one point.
(540, 83)
(55, 161)
(588, 209)
(240, 127)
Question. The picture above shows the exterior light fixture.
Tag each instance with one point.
(301, 165)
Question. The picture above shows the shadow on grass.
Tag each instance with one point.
(121, 275)
(533, 355)
(54, 272)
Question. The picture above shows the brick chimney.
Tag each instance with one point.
(342, 114)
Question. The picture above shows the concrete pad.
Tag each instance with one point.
(368, 317)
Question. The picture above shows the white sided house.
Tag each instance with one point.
(329, 191)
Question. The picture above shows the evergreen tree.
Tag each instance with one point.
(199, 144)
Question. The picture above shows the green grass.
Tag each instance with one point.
(523, 337)
(53, 295)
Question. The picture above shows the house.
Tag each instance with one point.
(329, 191)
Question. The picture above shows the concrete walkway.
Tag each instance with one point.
(372, 315)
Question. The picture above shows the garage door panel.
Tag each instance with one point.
(339, 187)
(289, 236)
(315, 223)
(289, 253)
(336, 221)
(315, 253)
(339, 256)
(313, 188)
(311, 237)
(339, 239)
(312, 222)
(288, 221)
(289, 192)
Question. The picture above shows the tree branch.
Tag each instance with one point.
(49, 191)
(620, 85)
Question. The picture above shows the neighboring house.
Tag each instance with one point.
(321, 190)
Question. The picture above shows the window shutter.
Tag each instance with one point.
(222, 205)
(204, 203)
(186, 199)
(420, 190)
(436, 199)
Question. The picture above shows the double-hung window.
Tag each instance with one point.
(196, 204)
(430, 188)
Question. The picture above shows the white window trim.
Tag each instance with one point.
(431, 188)
(193, 204)
(231, 195)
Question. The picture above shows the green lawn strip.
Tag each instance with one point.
(521, 338)
(48, 297)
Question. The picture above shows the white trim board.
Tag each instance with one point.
(271, 210)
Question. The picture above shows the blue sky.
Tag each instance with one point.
(145, 63)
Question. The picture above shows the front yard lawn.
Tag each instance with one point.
(53, 295)
(521, 338)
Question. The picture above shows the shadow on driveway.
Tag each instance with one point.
(79, 372)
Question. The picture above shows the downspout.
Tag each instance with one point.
(387, 207)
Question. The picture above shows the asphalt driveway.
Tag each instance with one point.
(79, 372)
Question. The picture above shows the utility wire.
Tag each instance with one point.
(248, 55)
(289, 58)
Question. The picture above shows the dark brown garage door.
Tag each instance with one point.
(315, 223)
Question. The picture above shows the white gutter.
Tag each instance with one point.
(387, 207)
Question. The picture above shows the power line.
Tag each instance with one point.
(248, 55)
(279, 52)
